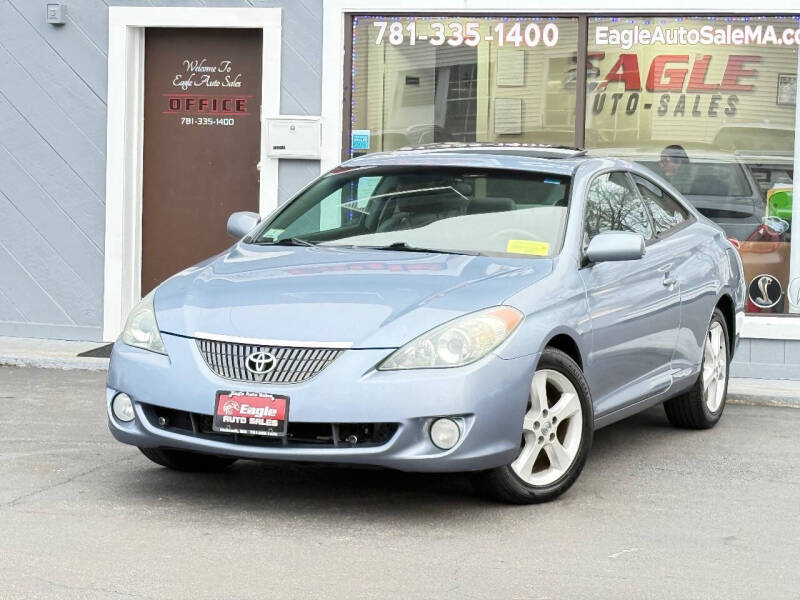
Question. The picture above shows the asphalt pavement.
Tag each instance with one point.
(657, 513)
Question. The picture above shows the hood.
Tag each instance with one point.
(367, 298)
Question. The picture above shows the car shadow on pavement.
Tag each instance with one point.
(309, 488)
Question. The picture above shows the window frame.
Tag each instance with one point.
(627, 173)
(690, 216)
(350, 15)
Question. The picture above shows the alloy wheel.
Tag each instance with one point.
(551, 430)
(715, 367)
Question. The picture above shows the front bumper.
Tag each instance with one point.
(487, 399)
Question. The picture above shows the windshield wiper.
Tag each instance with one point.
(405, 247)
(290, 241)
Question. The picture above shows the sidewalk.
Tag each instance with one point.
(764, 392)
(50, 354)
(59, 354)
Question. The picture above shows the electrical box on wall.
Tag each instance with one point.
(55, 14)
(294, 137)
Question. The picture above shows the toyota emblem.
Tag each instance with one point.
(260, 363)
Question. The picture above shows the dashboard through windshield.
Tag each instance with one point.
(471, 211)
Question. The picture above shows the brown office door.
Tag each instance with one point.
(202, 99)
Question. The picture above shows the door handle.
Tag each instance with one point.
(669, 281)
(666, 268)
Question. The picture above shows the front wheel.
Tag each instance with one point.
(701, 407)
(180, 460)
(556, 436)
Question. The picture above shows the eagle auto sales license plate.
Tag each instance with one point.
(251, 413)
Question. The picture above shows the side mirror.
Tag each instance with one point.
(241, 223)
(615, 245)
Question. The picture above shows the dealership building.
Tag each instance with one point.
(129, 133)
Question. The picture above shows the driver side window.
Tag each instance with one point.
(613, 205)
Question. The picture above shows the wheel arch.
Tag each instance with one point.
(567, 344)
(726, 306)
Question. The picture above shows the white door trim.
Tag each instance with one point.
(123, 257)
(333, 65)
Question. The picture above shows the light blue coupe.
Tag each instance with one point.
(472, 307)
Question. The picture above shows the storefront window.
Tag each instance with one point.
(419, 80)
(709, 104)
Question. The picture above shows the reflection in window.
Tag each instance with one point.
(458, 83)
(613, 205)
(703, 175)
(716, 120)
(666, 211)
(446, 209)
(723, 97)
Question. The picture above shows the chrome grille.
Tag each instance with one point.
(292, 364)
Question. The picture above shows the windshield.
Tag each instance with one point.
(436, 209)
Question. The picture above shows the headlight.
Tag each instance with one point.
(459, 342)
(141, 329)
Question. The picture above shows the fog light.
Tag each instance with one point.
(445, 433)
(122, 405)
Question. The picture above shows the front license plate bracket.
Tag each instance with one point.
(251, 413)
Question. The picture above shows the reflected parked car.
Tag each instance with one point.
(767, 149)
(718, 184)
(475, 309)
(756, 138)
(769, 171)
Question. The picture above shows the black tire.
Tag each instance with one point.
(180, 460)
(505, 485)
(689, 410)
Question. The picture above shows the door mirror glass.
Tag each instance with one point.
(615, 245)
(241, 223)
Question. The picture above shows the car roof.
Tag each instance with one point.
(558, 160)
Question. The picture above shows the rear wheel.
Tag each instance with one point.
(701, 407)
(556, 436)
(180, 460)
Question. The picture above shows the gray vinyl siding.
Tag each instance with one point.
(53, 153)
(767, 359)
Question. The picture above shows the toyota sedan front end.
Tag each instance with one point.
(351, 349)
(433, 310)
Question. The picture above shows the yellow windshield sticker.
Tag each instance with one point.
(528, 247)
